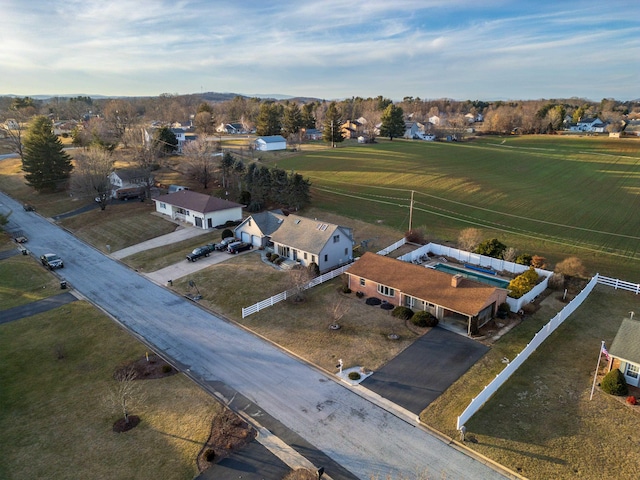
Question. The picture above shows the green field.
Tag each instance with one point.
(545, 195)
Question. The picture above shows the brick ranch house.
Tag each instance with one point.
(420, 288)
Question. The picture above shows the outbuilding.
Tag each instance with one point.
(270, 143)
(198, 209)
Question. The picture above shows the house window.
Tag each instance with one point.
(313, 258)
(163, 206)
(336, 238)
(305, 255)
(249, 223)
(362, 282)
(326, 258)
(386, 291)
(632, 370)
(346, 251)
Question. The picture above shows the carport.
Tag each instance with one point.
(425, 369)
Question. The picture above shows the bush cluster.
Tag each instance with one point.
(354, 376)
(614, 383)
(631, 400)
(424, 319)
(346, 289)
(523, 283)
(403, 313)
(359, 294)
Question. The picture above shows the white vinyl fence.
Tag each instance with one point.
(621, 284)
(477, 403)
(246, 311)
(393, 247)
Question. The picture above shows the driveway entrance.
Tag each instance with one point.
(425, 369)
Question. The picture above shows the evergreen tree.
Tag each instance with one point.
(392, 122)
(332, 131)
(292, 122)
(44, 162)
(308, 117)
(165, 141)
(269, 119)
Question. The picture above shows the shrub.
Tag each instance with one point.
(359, 294)
(556, 281)
(538, 262)
(491, 248)
(386, 306)
(346, 289)
(166, 368)
(274, 257)
(571, 267)
(373, 301)
(227, 233)
(314, 269)
(354, 376)
(279, 260)
(403, 313)
(523, 283)
(631, 400)
(614, 383)
(424, 319)
(524, 259)
(415, 236)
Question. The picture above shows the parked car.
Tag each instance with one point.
(198, 252)
(225, 243)
(238, 247)
(51, 261)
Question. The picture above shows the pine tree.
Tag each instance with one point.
(165, 141)
(332, 125)
(292, 122)
(392, 122)
(45, 163)
(269, 120)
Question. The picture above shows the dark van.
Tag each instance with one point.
(236, 247)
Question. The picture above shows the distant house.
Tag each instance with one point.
(351, 129)
(270, 143)
(593, 125)
(231, 128)
(412, 130)
(434, 119)
(313, 134)
(624, 353)
(632, 127)
(129, 178)
(257, 228)
(306, 241)
(198, 209)
(183, 136)
(419, 288)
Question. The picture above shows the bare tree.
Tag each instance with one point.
(509, 254)
(127, 394)
(120, 116)
(469, 239)
(337, 310)
(90, 176)
(298, 280)
(200, 159)
(13, 130)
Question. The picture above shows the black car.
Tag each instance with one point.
(225, 243)
(198, 252)
(238, 247)
(51, 261)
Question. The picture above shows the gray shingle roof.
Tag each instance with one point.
(196, 202)
(268, 222)
(626, 345)
(306, 234)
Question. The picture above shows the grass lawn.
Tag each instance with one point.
(22, 280)
(541, 423)
(54, 419)
(118, 226)
(552, 196)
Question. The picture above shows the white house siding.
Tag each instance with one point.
(335, 253)
(249, 232)
(198, 219)
(220, 217)
(270, 146)
(635, 382)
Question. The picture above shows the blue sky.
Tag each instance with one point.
(460, 49)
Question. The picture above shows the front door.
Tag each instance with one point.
(198, 222)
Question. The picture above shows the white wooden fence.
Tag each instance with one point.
(246, 311)
(477, 403)
(621, 284)
(393, 247)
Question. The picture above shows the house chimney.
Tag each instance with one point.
(456, 280)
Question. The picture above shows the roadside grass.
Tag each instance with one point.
(544, 195)
(54, 419)
(12, 183)
(23, 280)
(541, 423)
(118, 226)
(303, 327)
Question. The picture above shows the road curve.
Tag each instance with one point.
(359, 435)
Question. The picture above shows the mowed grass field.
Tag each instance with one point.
(545, 195)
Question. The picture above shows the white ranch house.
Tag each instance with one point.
(200, 210)
(270, 143)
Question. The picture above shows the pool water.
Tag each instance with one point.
(493, 281)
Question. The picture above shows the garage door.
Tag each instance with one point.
(246, 237)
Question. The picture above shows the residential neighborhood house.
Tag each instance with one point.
(129, 178)
(270, 143)
(450, 298)
(624, 353)
(198, 209)
(299, 239)
(183, 136)
(231, 128)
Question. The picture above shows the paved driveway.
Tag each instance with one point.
(425, 369)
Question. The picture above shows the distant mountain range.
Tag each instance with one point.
(210, 96)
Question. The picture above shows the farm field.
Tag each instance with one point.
(544, 195)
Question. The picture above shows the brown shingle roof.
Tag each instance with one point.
(468, 297)
(196, 202)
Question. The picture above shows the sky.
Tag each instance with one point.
(329, 49)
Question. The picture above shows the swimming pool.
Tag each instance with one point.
(493, 281)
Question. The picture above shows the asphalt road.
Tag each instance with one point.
(361, 436)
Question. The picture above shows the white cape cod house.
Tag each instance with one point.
(624, 353)
(198, 209)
